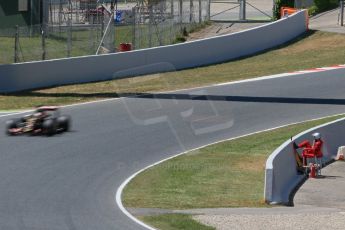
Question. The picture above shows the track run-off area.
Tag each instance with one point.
(69, 181)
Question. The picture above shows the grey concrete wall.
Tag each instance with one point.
(23, 76)
(281, 175)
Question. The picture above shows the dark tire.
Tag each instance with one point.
(49, 127)
(11, 124)
(64, 123)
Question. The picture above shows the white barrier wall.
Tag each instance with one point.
(281, 175)
(23, 76)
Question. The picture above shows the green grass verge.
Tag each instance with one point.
(174, 222)
(314, 49)
(228, 174)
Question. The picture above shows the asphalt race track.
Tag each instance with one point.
(69, 181)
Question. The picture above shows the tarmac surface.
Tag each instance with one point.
(319, 203)
(69, 181)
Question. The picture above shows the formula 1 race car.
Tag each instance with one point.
(44, 120)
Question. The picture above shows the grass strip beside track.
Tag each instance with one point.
(174, 222)
(228, 174)
(314, 49)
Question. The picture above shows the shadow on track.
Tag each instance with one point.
(193, 97)
(283, 100)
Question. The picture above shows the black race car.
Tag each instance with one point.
(44, 120)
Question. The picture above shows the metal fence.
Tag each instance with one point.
(242, 10)
(167, 22)
(85, 27)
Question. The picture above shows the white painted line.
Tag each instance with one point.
(309, 71)
(63, 106)
(10, 111)
(331, 68)
(275, 76)
(200, 87)
(91, 102)
(321, 69)
(123, 185)
(178, 90)
(16, 113)
(119, 200)
(256, 79)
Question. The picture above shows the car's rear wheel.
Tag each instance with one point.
(11, 124)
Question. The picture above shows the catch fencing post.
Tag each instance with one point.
(171, 24)
(242, 10)
(200, 11)
(16, 45)
(150, 25)
(43, 43)
(341, 12)
(191, 11)
(69, 37)
(209, 10)
(60, 15)
(134, 23)
(181, 12)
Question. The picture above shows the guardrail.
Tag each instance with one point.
(282, 180)
(33, 75)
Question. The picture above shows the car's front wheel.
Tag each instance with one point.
(49, 127)
(64, 123)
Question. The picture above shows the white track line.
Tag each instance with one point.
(321, 69)
(123, 185)
(120, 189)
(16, 113)
(282, 75)
(195, 88)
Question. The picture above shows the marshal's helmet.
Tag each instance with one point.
(316, 136)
